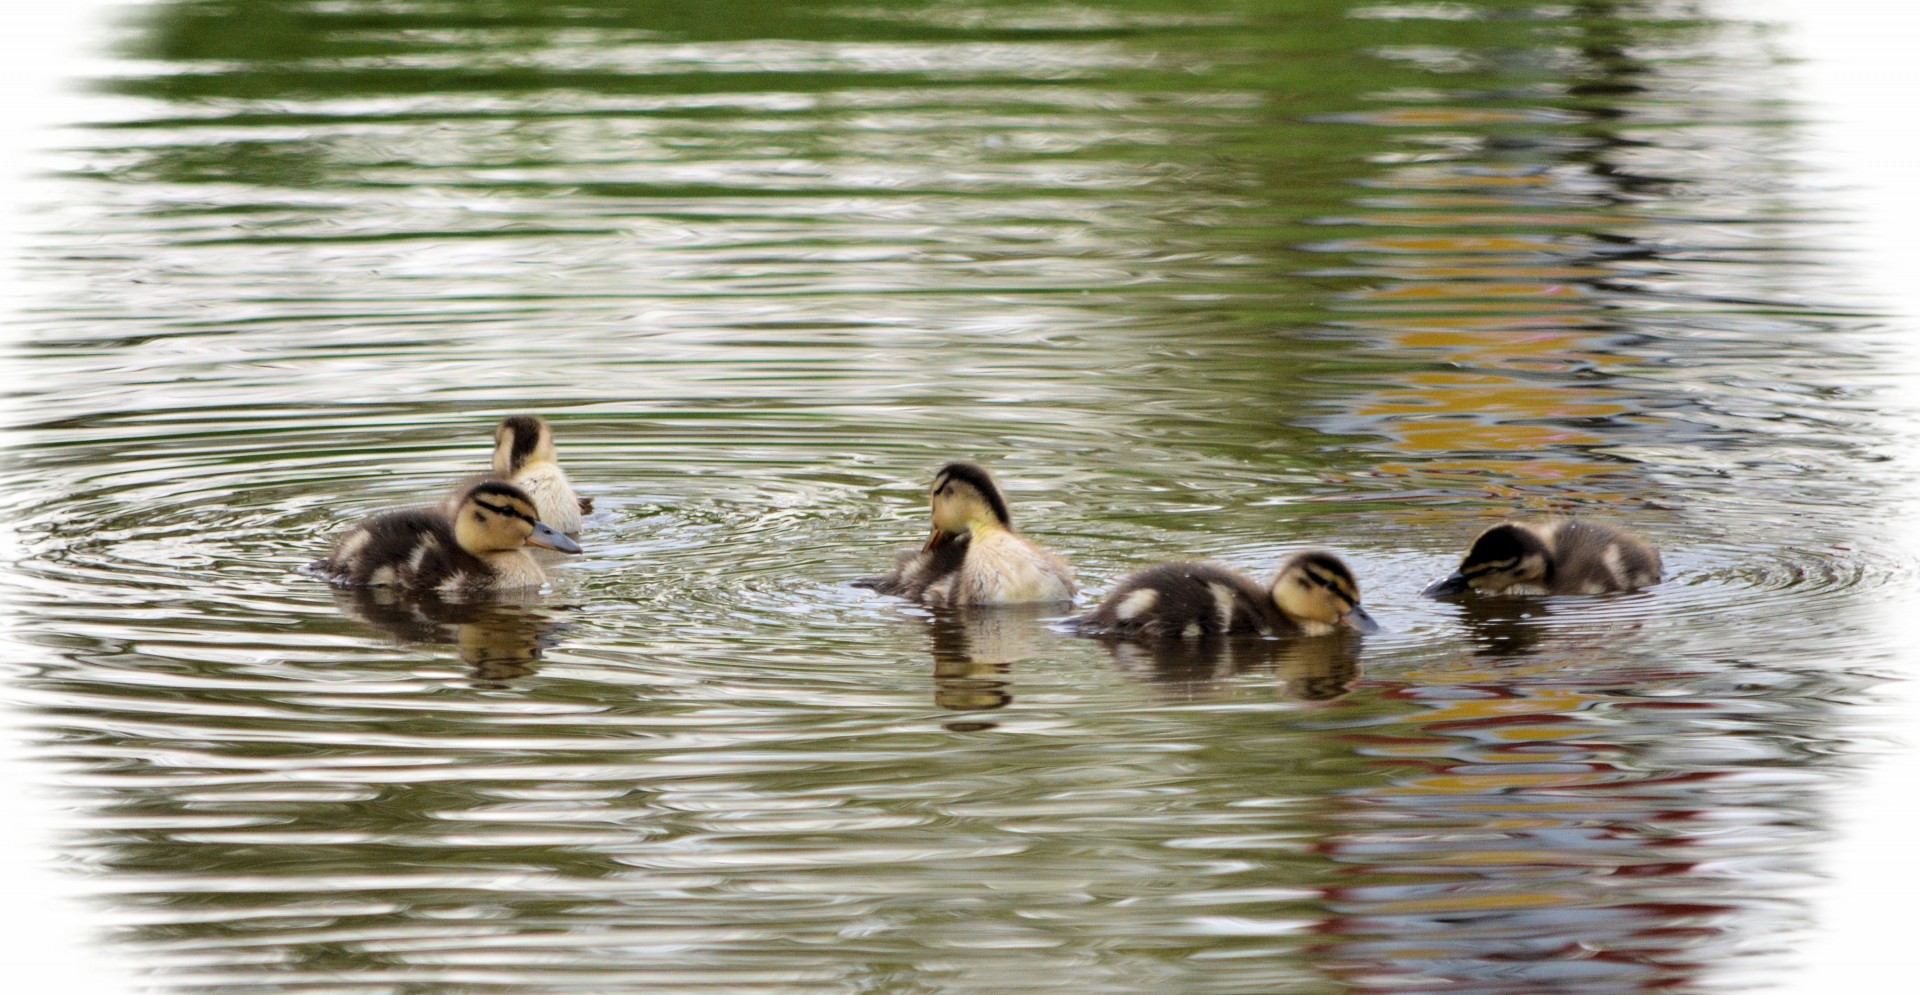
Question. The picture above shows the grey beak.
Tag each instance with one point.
(1361, 621)
(548, 537)
(1452, 584)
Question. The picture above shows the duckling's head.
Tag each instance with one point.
(495, 517)
(520, 441)
(1317, 590)
(964, 498)
(1503, 557)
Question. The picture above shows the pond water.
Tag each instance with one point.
(1277, 275)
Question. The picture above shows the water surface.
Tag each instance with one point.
(1278, 275)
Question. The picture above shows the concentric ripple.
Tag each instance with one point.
(1230, 286)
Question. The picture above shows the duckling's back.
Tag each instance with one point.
(413, 548)
(1186, 599)
(1589, 558)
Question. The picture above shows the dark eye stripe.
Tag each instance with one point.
(1327, 580)
(502, 510)
(1334, 583)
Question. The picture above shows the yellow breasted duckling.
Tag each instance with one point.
(1313, 594)
(974, 556)
(1557, 556)
(523, 456)
(482, 547)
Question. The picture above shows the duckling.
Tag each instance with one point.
(523, 456)
(974, 556)
(479, 549)
(1557, 556)
(1313, 594)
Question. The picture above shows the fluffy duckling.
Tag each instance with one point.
(974, 556)
(1313, 594)
(480, 548)
(523, 456)
(1557, 556)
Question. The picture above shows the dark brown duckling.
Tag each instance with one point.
(1313, 594)
(481, 547)
(1556, 556)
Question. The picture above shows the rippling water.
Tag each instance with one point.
(1282, 274)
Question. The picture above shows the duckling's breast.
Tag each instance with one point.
(513, 569)
(1005, 568)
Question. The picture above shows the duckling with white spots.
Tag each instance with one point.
(1313, 594)
(481, 547)
(974, 556)
(1555, 556)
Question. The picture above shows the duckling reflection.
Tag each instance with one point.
(1318, 669)
(498, 640)
(974, 650)
(1505, 626)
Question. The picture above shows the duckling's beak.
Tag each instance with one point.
(547, 537)
(1360, 621)
(1452, 584)
(937, 540)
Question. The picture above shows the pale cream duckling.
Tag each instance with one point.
(1313, 594)
(974, 556)
(1557, 556)
(482, 547)
(523, 456)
